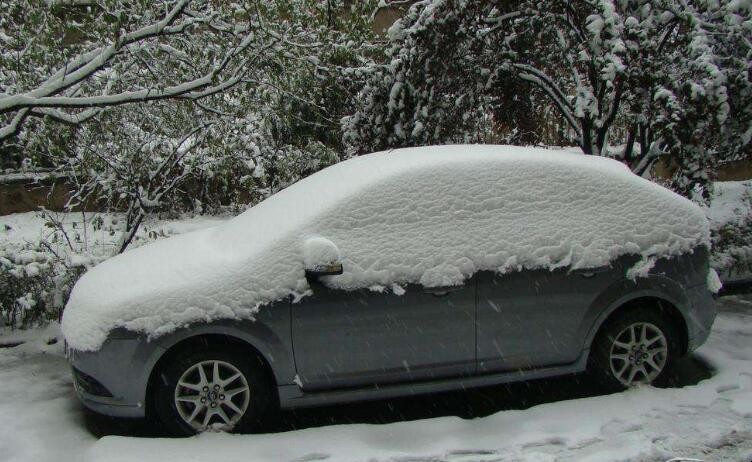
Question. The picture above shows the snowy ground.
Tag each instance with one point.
(708, 418)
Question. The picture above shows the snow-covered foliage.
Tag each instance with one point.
(432, 216)
(268, 116)
(85, 55)
(67, 61)
(661, 78)
(182, 159)
(730, 215)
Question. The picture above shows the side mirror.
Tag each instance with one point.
(331, 269)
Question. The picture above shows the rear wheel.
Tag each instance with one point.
(639, 346)
(211, 390)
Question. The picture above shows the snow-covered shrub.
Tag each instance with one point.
(730, 215)
(732, 250)
(36, 277)
(34, 293)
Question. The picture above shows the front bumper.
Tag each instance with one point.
(118, 369)
(110, 406)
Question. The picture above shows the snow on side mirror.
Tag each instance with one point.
(321, 258)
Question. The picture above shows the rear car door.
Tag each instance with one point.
(365, 337)
(537, 318)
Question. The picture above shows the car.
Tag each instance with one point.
(410, 271)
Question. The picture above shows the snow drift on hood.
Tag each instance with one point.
(432, 215)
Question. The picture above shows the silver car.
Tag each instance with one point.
(337, 345)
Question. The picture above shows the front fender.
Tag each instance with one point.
(268, 333)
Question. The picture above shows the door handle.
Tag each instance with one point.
(591, 272)
(442, 291)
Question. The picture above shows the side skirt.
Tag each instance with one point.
(292, 396)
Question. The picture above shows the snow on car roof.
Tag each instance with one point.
(430, 215)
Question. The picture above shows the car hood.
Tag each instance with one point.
(164, 285)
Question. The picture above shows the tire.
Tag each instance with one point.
(619, 361)
(242, 386)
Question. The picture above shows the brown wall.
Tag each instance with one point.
(737, 170)
(387, 15)
(25, 195)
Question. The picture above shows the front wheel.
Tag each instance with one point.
(637, 347)
(211, 390)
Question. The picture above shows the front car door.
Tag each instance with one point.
(366, 337)
(422, 225)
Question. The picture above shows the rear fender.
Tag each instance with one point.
(622, 292)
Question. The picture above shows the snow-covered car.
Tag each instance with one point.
(402, 272)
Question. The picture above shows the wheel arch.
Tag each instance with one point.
(659, 292)
(209, 338)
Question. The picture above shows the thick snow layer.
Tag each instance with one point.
(319, 250)
(710, 420)
(714, 282)
(430, 215)
(641, 269)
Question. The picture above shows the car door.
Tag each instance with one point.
(537, 318)
(364, 337)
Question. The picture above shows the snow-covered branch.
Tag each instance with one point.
(190, 61)
(86, 64)
(64, 117)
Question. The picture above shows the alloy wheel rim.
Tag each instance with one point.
(638, 354)
(212, 394)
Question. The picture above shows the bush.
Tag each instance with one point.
(34, 285)
(732, 242)
(37, 274)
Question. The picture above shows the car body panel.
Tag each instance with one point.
(340, 357)
(122, 366)
(534, 318)
(680, 281)
(292, 396)
(125, 362)
(365, 337)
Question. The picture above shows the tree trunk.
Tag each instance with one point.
(586, 143)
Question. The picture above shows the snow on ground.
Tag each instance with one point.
(43, 421)
(430, 215)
